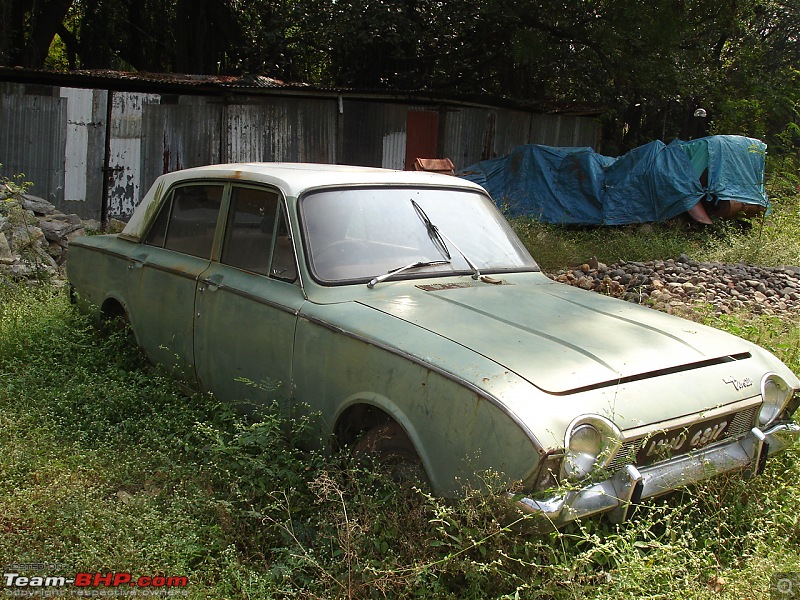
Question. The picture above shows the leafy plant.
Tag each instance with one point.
(105, 464)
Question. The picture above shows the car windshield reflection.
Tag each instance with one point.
(355, 235)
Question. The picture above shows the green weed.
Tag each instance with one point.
(105, 464)
(769, 241)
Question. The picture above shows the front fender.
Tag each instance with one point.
(458, 432)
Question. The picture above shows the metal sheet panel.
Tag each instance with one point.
(394, 135)
(366, 125)
(125, 152)
(512, 129)
(360, 144)
(32, 133)
(84, 150)
(281, 129)
(587, 132)
(247, 134)
(476, 134)
(303, 130)
(576, 131)
(79, 117)
(544, 129)
(189, 131)
(464, 135)
(422, 135)
(394, 150)
(564, 130)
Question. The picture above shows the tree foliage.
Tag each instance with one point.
(648, 65)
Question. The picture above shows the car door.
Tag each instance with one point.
(247, 303)
(162, 279)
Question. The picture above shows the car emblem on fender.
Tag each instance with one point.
(739, 385)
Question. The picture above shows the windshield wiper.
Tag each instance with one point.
(433, 230)
(438, 239)
(415, 265)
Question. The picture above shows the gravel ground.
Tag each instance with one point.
(678, 285)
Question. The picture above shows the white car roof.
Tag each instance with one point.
(292, 178)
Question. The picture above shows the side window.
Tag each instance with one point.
(283, 263)
(250, 229)
(159, 229)
(191, 221)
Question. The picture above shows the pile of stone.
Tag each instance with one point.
(678, 285)
(34, 236)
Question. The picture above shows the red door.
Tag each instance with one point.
(422, 135)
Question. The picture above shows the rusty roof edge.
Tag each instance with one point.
(260, 85)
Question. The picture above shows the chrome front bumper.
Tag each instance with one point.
(622, 491)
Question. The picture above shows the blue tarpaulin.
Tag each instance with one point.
(653, 182)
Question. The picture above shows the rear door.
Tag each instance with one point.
(163, 272)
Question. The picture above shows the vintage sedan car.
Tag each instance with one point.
(402, 309)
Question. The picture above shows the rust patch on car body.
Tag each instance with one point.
(439, 287)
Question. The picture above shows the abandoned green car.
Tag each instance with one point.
(402, 309)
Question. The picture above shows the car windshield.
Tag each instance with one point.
(358, 234)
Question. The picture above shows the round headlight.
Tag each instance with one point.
(775, 393)
(582, 452)
(591, 442)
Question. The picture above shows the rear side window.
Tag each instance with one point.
(159, 229)
(187, 222)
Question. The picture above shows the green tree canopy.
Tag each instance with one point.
(648, 65)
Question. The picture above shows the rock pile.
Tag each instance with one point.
(675, 285)
(34, 236)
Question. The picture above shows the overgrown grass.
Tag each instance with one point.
(769, 241)
(105, 465)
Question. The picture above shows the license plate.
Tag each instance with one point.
(682, 440)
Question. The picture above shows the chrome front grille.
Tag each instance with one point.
(741, 423)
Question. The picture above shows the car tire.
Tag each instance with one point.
(119, 324)
(389, 446)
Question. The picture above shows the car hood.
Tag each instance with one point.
(559, 338)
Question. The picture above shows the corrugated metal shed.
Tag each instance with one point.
(92, 143)
(33, 131)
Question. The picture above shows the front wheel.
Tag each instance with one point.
(389, 445)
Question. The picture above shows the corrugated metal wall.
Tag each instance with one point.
(474, 134)
(283, 130)
(92, 150)
(128, 136)
(33, 130)
(85, 138)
